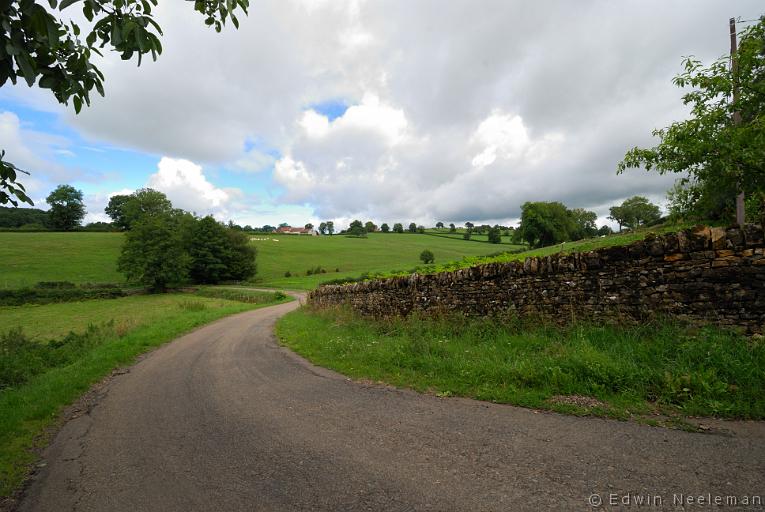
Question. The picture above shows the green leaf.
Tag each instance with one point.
(27, 68)
(77, 104)
(66, 3)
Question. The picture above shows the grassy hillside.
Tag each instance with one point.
(378, 252)
(474, 237)
(512, 253)
(27, 258)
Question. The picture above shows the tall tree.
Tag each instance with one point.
(38, 40)
(330, 227)
(412, 227)
(635, 212)
(545, 223)
(398, 227)
(115, 210)
(323, 228)
(585, 223)
(144, 202)
(208, 251)
(721, 145)
(370, 226)
(385, 228)
(66, 207)
(153, 253)
(439, 225)
(620, 215)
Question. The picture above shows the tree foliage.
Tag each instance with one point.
(398, 227)
(412, 227)
(167, 246)
(115, 210)
(18, 217)
(385, 228)
(66, 207)
(153, 253)
(635, 212)
(40, 45)
(144, 202)
(721, 146)
(218, 253)
(11, 191)
(426, 256)
(546, 223)
(585, 223)
(495, 235)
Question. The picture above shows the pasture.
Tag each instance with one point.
(379, 252)
(27, 258)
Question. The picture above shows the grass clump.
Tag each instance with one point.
(243, 295)
(58, 291)
(659, 368)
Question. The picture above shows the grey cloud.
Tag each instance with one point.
(595, 74)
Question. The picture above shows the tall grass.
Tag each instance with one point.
(660, 367)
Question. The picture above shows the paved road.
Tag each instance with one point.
(224, 419)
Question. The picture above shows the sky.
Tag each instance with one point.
(394, 111)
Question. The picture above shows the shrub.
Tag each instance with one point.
(22, 358)
(241, 295)
(47, 295)
(426, 256)
(288, 274)
(54, 284)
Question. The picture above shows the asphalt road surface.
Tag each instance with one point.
(225, 419)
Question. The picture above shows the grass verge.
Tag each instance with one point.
(623, 372)
(73, 366)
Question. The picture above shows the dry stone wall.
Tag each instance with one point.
(703, 274)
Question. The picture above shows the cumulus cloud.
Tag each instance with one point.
(187, 187)
(458, 110)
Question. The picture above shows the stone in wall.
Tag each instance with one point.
(701, 274)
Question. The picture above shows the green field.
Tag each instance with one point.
(27, 258)
(50, 321)
(513, 253)
(474, 237)
(624, 372)
(379, 252)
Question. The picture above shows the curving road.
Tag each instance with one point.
(225, 419)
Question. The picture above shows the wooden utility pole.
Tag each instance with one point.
(740, 213)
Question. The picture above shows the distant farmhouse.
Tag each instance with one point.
(288, 230)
